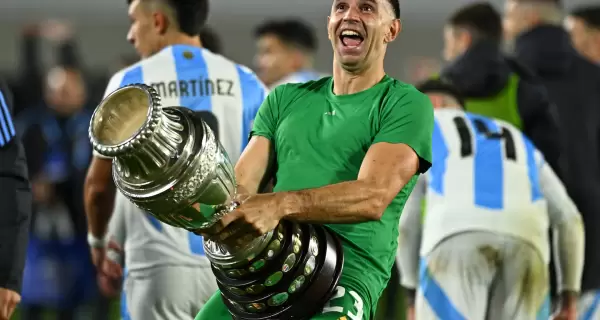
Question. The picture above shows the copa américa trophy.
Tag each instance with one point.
(168, 162)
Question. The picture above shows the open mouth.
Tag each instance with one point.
(351, 38)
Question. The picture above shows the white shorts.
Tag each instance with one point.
(166, 293)
(588, 306)
(483, 276)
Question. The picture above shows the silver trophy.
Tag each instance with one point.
(167, 161)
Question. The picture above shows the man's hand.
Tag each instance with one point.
(8, 303)
(410, 313)
(99, 254)
(255, 216)
(110, 278)
(567, 307)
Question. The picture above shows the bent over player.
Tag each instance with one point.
(166, 34)
(347, 151)
(490, 198)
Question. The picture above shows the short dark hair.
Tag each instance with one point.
(480, 19)
(439, 85)
(557, 3)
(210, 40)
(291, 31)
(191, 15)
(396, 6)
(589, 14)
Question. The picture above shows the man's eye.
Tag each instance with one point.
(340, 7)
(367, 8)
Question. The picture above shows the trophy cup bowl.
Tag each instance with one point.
(167, 161)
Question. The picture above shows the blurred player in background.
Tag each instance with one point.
(583, 25)
(15, 208)
(535, 27)
(494, 85)
(490, 198)
(285, 52)
(166, 34)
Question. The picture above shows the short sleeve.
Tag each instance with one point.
(265, 122)
(409, 120)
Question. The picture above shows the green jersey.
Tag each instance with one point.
(321, 139)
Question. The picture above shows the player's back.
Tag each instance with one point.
(485, 176)
(148, 243)
(226, 94)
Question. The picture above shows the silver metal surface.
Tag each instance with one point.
(168, 162)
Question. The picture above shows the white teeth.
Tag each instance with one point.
(350, 33)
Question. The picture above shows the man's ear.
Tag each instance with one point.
(393, 31)
(328, 33)
(161, 23)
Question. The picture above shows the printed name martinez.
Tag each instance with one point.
(194, 87)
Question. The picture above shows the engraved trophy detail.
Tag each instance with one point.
(167, 161)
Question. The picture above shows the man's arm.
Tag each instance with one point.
(99, 195)
(99, 189)
(409, 241)
(253, 167)
(15, 201)
(117, 229)
(386, 169)
(568, 231)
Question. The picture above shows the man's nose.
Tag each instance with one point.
(352, 14)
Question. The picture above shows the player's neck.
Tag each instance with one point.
(183, 39)
(346, 82)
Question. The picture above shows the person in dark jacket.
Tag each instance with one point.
(573, 83)
(583, 25)
(15, 208)
(493, 85)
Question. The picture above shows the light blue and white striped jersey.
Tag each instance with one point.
(7, 127)
(486, 175)
(299, 77)
(148, 243)
(198, 79)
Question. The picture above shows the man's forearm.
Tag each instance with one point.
(346, 202)
(569, 252)
(98, 208)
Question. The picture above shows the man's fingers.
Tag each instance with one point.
(13, 307)
(113, 245)
(230, 218)
(238, 232)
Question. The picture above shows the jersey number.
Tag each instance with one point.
(339, 299)
(466, 142)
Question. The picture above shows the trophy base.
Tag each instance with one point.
(290, 280)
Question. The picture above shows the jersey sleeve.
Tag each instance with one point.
(253, 99)
(7, 127)
(409, 241)
(409, 120)
(568, 231)
(265, 122)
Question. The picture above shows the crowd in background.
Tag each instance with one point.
(558, 102)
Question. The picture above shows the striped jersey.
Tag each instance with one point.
(226, 94)
(148, 243)
(487, 176)
(7, 127)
